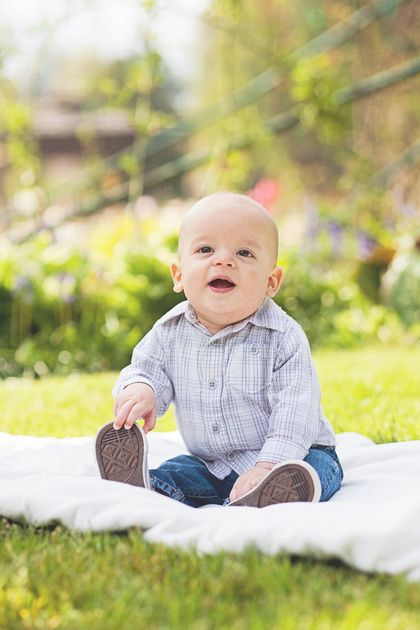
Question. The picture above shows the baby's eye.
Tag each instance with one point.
(245, 253)
(205, 249)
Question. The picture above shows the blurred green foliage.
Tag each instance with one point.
(16, 127)
(404, 286)
(62, 312)
(333, 145)
(140, 85)
(332, 308)
(312, 87)
(64, 309)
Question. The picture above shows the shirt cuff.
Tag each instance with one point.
(120, 385)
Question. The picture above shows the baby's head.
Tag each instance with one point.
(231, 209)
(227, 259)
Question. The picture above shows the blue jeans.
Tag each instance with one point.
(187, 479)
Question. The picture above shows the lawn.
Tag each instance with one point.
(62, 579)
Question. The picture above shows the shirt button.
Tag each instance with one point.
(215, 428)
(254, 349)
(215, 342)
(211, 384)
(231, 456)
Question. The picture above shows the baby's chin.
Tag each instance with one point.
(215, 321)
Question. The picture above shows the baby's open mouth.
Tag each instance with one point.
(221, 283)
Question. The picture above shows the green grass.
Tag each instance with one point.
(374, 391)
(63, 407)
(60, 579)
(63, 579)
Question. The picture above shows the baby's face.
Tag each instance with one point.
(227, 260)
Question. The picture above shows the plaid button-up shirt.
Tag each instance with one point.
(248, 393)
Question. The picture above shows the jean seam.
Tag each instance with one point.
(200, 494)
(173, 493)
(185, 494)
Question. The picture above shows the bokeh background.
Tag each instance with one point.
(116, 116)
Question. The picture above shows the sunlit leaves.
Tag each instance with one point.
(313, 83)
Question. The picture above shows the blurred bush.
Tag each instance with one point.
(332, 308)
(62, 312)
(401, 283)
(64, 309)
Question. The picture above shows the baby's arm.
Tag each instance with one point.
(249, 479)
(135, 401)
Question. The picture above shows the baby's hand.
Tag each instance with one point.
(250, 479)
(135, 401)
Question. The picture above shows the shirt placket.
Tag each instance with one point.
(214, 423)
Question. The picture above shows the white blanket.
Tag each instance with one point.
(372, 524)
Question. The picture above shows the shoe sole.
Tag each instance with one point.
(291, 482)
(122, 455)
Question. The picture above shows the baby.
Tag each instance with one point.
(237, 369)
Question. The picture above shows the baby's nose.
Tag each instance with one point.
(224, 259)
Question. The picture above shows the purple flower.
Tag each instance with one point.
(337, 234)
(366, 245)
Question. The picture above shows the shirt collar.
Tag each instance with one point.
(269, 315)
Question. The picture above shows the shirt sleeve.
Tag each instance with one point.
(295, 399)
(148, 366)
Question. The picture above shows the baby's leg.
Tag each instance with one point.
(326, 463)
(188, 480)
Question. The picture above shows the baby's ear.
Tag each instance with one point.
(177, 276)
(274, 281)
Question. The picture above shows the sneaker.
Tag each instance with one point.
(122, 455)
(285, 483)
